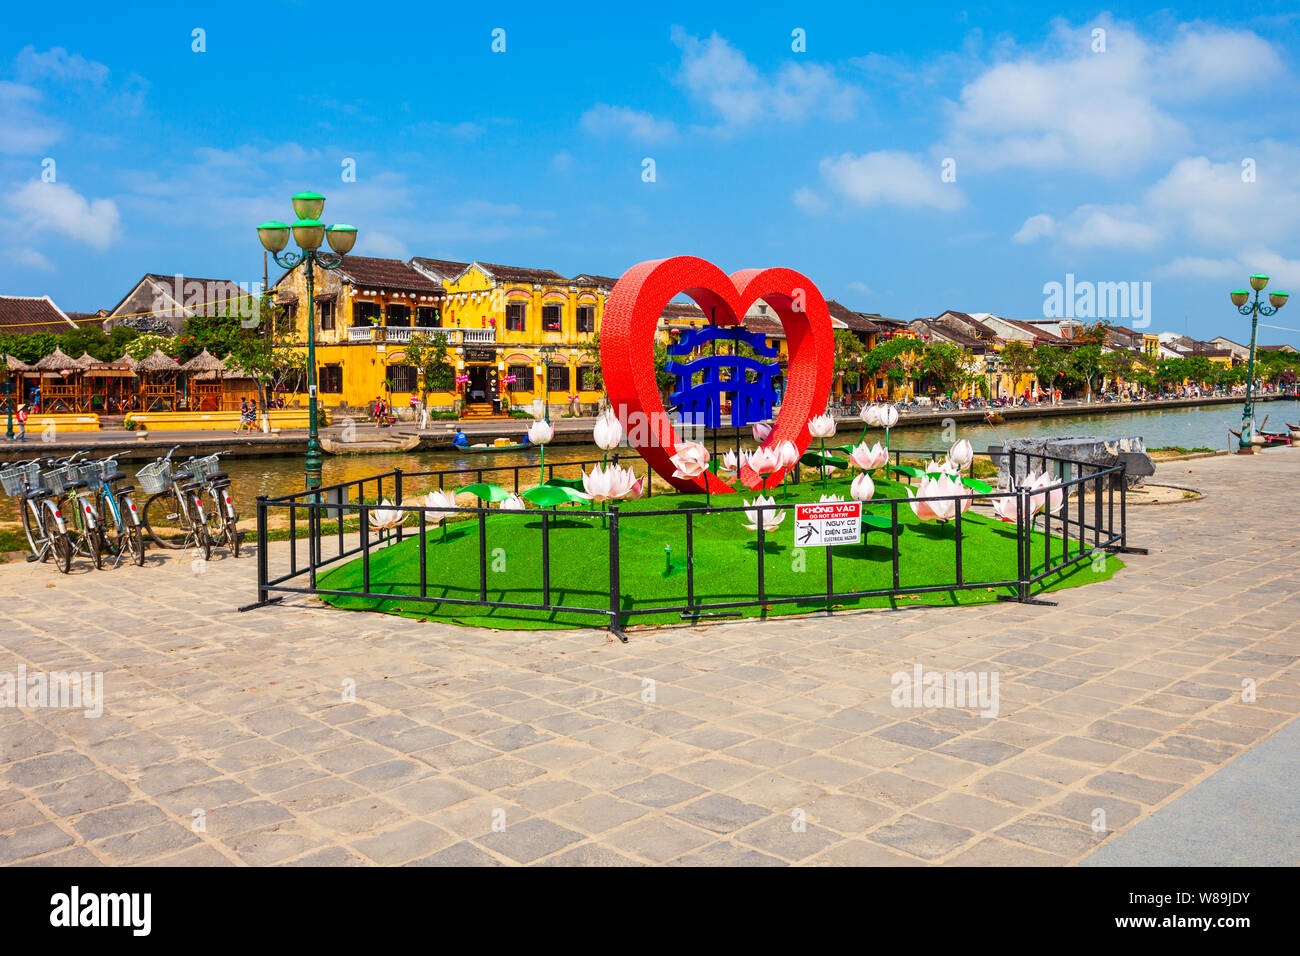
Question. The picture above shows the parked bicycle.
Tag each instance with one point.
(119, 519)
(42, 518)
(175, 516)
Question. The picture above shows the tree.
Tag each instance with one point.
(1083, 366)
(591, 350)
(1019, 359)
(894, 358)
(146, 343)
(429, 355)
(948, 364)
(1049, 363)
(1117, 365)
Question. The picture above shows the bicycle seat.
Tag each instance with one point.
(182, 476)
(124, 490)
(192, 486)
(219, 476)
(38, 493)
(74, 485)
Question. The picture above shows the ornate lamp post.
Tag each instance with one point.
(309, 232)
(9, 405)
(1253, 308)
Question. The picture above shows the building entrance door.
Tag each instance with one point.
(480, 386)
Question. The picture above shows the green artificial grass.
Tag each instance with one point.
(726, 563)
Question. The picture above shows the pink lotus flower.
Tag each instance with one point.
(870, 414)
(787, 454)
(765, 461)
(1053, 499)
(826, 498)
(761, 431)
(731, 465)
(823, 426)
(941, 466)
(868, 459)
(961, 454)
(862, 488)
(691, 460)
(927, 504)
(1004, 509)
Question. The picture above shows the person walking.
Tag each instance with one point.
(243, 416)
(22, 422)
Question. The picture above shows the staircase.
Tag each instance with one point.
(480, 412)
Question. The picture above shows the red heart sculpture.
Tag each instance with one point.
(627, 336)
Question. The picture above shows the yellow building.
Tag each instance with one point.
(513, 335)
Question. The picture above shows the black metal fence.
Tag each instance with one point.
(336, 523)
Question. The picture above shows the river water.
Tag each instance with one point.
(1185, 427)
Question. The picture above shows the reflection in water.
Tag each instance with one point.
(1188, 428)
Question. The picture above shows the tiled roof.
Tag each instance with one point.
(520, 274)
(87, 320)
(385, 274)
(680, 311)
(853, 320)
(944, 331)
(590, 278)
(19, 313)
(1043, 335)
(443, 269)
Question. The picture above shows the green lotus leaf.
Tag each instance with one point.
(486, 492)
(983, 487)
(907, 470)
(547, 495)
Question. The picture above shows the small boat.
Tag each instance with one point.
(484, 448)
(332, 446)
(1265, 438)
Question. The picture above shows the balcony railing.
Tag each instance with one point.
(403, 333)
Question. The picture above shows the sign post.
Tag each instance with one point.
(828, 522)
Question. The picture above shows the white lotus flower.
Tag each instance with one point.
(941, 466)
(926, 504)
(862, 488)
(514, 503)
(610, 483)
(888, 416)
(868, 459)
(386, 517)
(607, 431)
(540, 432)
(870, 414)
(761, 431)
(731, 465)
(772, 517)
(961, 454)
(826, 498)
(440, 503)
(691, 460)
(787, 454)
(823, 426)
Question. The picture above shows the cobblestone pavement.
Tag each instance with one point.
(225, 737)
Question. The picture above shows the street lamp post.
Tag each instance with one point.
(1253, 308)
(308, 233)
(547, 351)
(9, 406)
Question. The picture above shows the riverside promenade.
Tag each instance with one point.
(1144, 719)
(132, 446)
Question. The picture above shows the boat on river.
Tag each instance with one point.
(387, 444)
(485, 448)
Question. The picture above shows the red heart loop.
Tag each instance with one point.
(627, 337)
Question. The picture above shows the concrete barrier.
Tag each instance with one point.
(281, 418)
(61, 423)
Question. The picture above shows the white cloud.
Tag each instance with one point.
(1212, 204)
(861, 288)
(1108, 228)
(622, 121)
(22, 127)
(562, 162)
(58, 64)
(809, 201)
(1035, 228)
(58, 208)
(1234, 270)
(1068, 107)
(29, 259)
(384, 246)
(717, 74)
(889, 177)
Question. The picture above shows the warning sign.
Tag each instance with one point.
(830, 522)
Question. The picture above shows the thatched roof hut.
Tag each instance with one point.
(16, 365)
(205, 361)
(157, 361)
(85, 361)
(125, 362)
(234, 370)
(56, 361)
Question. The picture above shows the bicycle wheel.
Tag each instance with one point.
(135, 541)
(232, 537)
(36, 536)
(198, 521)
(165, 518)
(97, 543)
(61, 545)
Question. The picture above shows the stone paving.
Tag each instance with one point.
(301, 734)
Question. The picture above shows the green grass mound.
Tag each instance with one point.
(726, 563)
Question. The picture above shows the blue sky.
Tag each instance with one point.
(1114, 156)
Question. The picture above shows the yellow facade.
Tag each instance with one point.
(474, 312)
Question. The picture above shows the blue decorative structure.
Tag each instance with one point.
(701, 402)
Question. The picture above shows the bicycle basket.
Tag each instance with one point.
(56, 480)
(204, 468)
(156, 478)
(17, 481)
(94, 472)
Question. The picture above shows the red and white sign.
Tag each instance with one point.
(828, 522)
